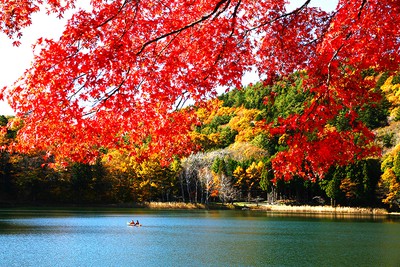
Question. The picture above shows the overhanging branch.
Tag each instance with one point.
(204, 18)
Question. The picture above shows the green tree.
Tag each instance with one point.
(331, 186)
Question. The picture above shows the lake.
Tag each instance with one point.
(101, 237)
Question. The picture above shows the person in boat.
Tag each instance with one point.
(137, 223)
(132, 222)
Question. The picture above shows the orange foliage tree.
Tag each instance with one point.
(117, 74)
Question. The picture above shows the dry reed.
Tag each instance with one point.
(174, 205)
(272, 208)
(319, 209)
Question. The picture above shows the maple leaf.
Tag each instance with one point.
(115, 76)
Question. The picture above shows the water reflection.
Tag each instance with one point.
(13, 228)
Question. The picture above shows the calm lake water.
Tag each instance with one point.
(194, 238)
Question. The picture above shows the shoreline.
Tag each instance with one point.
(287, 209)
(306, 209)
(271, 208)
(245, 206)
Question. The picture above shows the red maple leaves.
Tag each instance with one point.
(115, 76)
(16, 15)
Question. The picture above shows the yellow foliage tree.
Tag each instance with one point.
(389, 184)
(240, 174)
(225, 111)
(244, 123)
(213, 108)
(249, 179)
(253, 173)
(156, 181)
(122, 175)
(392, 92)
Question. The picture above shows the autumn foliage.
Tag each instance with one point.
(119, 73)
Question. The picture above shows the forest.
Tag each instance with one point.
(233, 158)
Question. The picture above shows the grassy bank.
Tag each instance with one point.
(171, 205)
(266, 207)
(305, 209)
(313, 209)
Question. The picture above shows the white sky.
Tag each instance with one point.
(15, 60)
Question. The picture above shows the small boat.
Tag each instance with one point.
(133, 224)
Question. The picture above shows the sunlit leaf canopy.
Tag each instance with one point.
(120, 72)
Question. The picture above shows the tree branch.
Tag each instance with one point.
(108, 95)
(361, 8)
(334, 56)
(204, 18)
(116, 14)
(297, 10)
